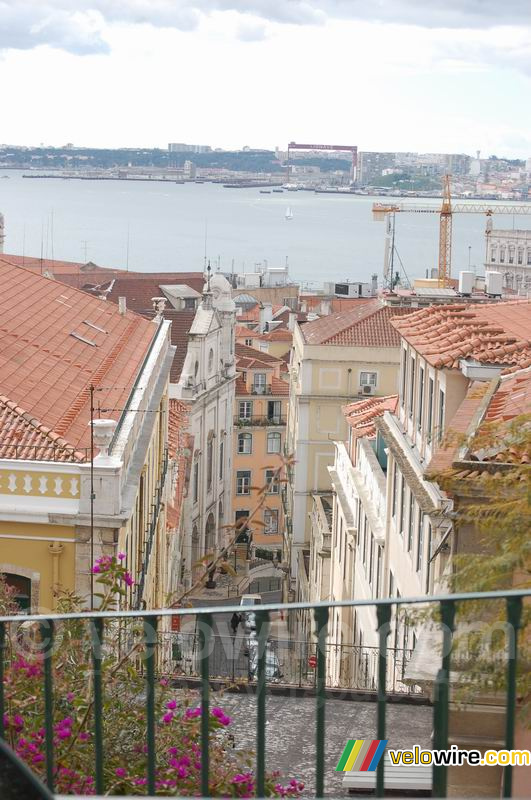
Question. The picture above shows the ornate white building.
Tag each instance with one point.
(509, 252)
(207, 383)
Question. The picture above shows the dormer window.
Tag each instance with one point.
(259, 382)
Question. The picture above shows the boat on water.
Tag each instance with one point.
(289, 213)
(265, 191)
(278, 191)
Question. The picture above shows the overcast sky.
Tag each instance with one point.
(382, 74)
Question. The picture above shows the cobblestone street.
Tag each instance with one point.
(290, 732)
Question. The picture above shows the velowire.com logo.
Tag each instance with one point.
(361, 755)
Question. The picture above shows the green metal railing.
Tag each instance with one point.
(448, 605)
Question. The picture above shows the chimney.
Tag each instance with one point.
(122, 305)
(292, 320)
(374, 285)
(326, 306)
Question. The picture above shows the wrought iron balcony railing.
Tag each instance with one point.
(99, 623)
(262, 420)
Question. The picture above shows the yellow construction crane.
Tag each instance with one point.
(383, 211)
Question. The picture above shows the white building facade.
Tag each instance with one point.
(509, 252)
(207, 383)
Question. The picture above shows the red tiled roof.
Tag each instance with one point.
(491, 333)
(361, 416)
(242, 362)
(445, 453)
(279, 335)
(52, 265)
(242, 350)
(242, 332)
(22, 436)
(512, 398)
(366, 325)
(181, 322)
(55, 342)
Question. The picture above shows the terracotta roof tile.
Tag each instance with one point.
(491, 333)
(361, 415)
(366, 325)
(242, 332)
(242, 350)
(55, 342)
(279, 387)
(279, 335)
(24, 437)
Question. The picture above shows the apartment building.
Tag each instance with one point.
(65, 358)
(399, 520)
(336, 359)
(509, 252)
(260, 412)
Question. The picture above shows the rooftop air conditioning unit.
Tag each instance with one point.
(494, 283)
(466, 281)
(367, 389)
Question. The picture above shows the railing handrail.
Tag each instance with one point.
(226, 609)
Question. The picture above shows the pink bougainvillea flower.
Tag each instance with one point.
(171, 704)
(167, 718)
(96, 568)
(121, 556)
(128, 579)
(120, 772)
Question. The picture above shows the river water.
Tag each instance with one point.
(165, 226)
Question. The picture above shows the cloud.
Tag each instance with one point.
(78, 26)
(252, 31)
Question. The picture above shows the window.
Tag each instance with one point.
(243, 481)
(367, 378)
(364, 558)
(378, 571)
(391, 584)
(371, 555)
(493, 254)
(245, 409)
(395, 490)
(221, 456)
(403, 370)
(441, 415)
(401, 508)
(411, 387)
(273, 442)
(430, 408)
(420, 540)
(241, 525)
(529, 257)
(196, 481)
(210, 360)
(210, 459)
(272, 484)
(259, 383)
(511, 254)
(502, 255)
(520, 255)
(428, 557)
(21, 587)
(273, 410)
(249, 342)
(271, 520)
(420, 407)
(245, 443)
(411, 521)
(189, 303)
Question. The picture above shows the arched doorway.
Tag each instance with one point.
(21, 587)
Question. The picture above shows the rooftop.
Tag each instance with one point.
(492, 333)
(361, 416)
(366, 325)
(56, 342)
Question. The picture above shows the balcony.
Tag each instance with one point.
(262, 420)
(146, 637)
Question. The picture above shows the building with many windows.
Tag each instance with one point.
(260, 409)
(335, 360)
(509, 252)
(393, 525)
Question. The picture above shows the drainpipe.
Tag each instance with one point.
(55, 549)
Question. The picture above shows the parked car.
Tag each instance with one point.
(249, 617)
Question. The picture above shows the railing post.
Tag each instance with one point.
(205, 632)
(514, 615)
(2, 662)
(383, 614)
(262, 626)
(442, 695)
(96, 628)
(321, 623)
(150, 641)
(47, 631)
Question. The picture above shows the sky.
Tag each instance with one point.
(382, 74)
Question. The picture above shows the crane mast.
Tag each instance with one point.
(385, 211)
(445, 236)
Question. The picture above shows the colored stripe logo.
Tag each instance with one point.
(361, 755)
